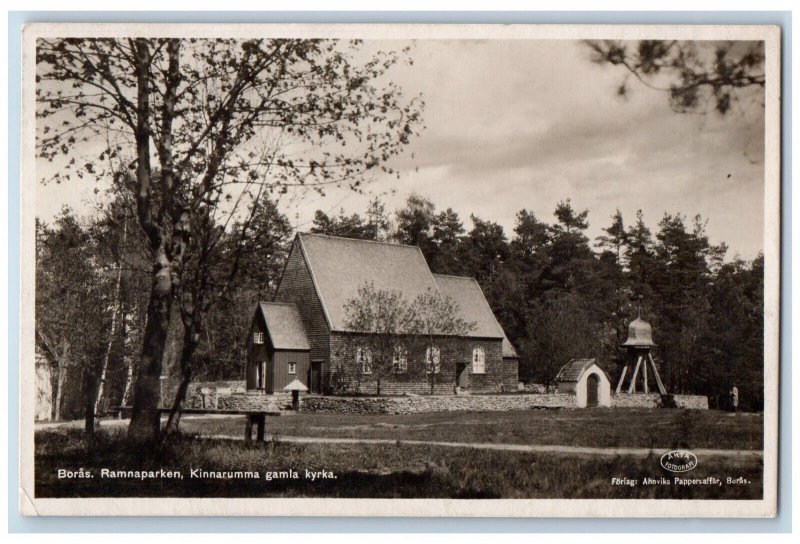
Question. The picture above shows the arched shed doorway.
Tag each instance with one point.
(592, 390)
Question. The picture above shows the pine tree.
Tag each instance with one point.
(614, 238)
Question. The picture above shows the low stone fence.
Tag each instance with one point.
(202, 394)
(694, 402)
(232, 395)
(485, 403)
(225, 395)
(443, 403)
(537, 388)
(255, 401)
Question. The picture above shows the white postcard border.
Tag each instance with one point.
(601, 508)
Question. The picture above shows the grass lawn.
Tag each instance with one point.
(361, 470)
(598, 427)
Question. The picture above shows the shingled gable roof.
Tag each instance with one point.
(284, 326)
(468, 295)
(340, 266)
(508, 348)
(573, 370)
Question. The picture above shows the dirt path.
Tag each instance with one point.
(106, 423)
(575, 450)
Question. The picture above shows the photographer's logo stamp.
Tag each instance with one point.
(679, 461)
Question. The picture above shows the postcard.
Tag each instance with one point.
(400, 270)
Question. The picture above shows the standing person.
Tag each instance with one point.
(735, 398)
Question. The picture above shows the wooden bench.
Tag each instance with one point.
(254, 417)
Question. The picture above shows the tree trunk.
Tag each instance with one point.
(168, 244)
(62, 375)
(180, 397)
(126, 392)
(433, 365)
(89, 412)
(145, 421)
(114, 315)
(190, 337)
(128, 359)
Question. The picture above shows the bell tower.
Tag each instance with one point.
(639, 345)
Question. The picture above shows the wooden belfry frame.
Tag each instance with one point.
(638, 345)
(643, 357)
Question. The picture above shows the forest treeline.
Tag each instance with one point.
(557, 293)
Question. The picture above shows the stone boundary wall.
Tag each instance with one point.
(201, 394)
(233, 395)
(245, 401)
(225, 395)
(410, 405)
(694, 402)
(482, 403)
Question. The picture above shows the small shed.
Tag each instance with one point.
(278, 348)
(587, 381)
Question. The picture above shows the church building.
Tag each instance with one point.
(302, 334)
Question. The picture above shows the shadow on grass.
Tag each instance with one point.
(594, 427)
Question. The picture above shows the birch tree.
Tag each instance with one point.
(71, 310)
(383, 320)
(435, 317)
(205, 120)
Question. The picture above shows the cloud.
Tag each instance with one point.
(521, 123)
(525, 124)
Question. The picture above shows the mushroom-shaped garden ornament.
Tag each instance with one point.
(295, 387)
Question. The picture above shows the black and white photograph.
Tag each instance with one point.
(477, 270)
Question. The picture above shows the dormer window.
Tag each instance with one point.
(258, 338)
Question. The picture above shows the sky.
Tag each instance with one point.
(513, 124)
